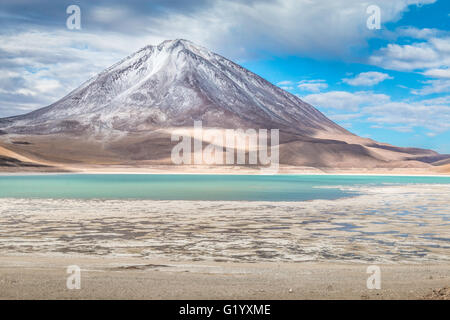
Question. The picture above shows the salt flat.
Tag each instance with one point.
(385, 224)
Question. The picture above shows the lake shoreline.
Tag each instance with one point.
(26, 173)
(222, 170)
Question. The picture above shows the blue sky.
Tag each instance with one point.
(390, 84)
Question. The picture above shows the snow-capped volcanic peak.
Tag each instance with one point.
(173, 84)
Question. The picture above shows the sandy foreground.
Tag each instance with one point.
(148, 249)
(37, 277)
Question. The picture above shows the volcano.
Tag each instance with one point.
(125, 115)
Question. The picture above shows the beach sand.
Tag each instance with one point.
(230, 249)
(37, 277)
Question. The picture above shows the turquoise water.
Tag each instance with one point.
(193, 187)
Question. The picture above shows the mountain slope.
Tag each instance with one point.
(173, 84)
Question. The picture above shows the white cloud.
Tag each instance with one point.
(344, 100)
(404, 129)
(430, 57)
(312, 28)
(438, 73)
(416, 33)
(344, 116)
(284, 83)
(367, 79)
(381, 111)
(109, 14)
(47, 85)
(435, 118)
(312, 85)
(445, 100)
(433, 86)
(41, 67)
(407, 57)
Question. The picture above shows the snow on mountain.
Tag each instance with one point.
(169, 85)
